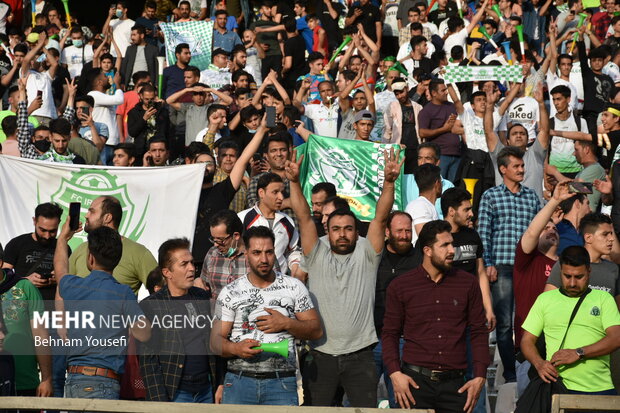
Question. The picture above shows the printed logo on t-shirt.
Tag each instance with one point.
(547, 270)
(519, 112)
(595, 311)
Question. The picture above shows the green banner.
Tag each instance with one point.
(354, 167)
(455, 74)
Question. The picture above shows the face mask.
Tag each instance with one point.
(41, 58)
(252, 130)
(42, 145)
(231, 251)
(119, 13)
(78, 43)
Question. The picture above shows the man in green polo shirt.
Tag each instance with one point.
(583, 360)
(136, 261)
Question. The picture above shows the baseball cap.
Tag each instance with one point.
(219, 51)
(364, 114)
(398, 85)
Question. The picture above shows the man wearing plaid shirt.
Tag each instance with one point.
(505, 212)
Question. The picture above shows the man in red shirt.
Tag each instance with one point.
(537, 252)
(131, 99)
(602, 19)
(431, 307)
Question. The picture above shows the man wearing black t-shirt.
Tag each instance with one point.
(294, 55)
(32, 255)
(445, 9)
(370, 18)
(398, 258)
(457, 210)
(216, 197)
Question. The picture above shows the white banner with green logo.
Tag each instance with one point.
(455, 74)
(354, 167)
(158, 203)
(197, 34)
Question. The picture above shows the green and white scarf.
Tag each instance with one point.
(53, 156)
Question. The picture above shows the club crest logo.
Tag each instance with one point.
(85, 186)
(595, 311)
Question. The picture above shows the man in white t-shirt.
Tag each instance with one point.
(565, 65)
(323, 114)
(73, 57)
(105, 109)
(564, 132)
(458, 32)
(422, 210)
(39, 84)
(263, 306)
(121, 27)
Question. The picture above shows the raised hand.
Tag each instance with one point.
(291, 168)
(392, 167)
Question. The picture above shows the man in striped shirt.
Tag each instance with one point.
(505, 213)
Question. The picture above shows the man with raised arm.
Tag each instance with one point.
(342, 283)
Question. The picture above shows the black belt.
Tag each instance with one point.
(264, 375)
(434, 375)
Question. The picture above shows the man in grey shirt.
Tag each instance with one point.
(599, 237)
(535, 154)
(341, 281)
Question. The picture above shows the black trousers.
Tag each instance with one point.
(271, 62)
(355, 372)
(442, 396)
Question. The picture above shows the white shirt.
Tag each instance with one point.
(75, 57)
(325, 119)
(456, 39)
(577, 81)
(105, 112)
(421, 211)
(121, 30)
(41, 81)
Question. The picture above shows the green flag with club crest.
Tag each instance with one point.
(354, 167)
(197, 34)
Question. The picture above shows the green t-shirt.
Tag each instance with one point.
(135, 265)
(5, 113)
(18, 306)
(551, 312)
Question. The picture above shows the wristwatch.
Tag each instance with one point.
(580, 353)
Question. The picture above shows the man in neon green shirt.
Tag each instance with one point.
(583, 360)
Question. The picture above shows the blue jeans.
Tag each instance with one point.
(503, 304)
(449, 165)
(107, 153)
(205, 396)
(91, 387)
(239, 389)
(382, 371)
(610, 392)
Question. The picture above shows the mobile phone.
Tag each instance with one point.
(271, 116)
(298, 123)
(74, 215)
(40, 94)
(580, 187)
(257, 157)
(46, 276)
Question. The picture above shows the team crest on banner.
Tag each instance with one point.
(354, 167)
(86, 185)
(158, 203)
(197, 34)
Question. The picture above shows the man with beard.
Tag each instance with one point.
(505, 213)
(104, 110)
(585, 346)
(397, 258)
(432, 307)
(343, 282)
(422, 209)
(32, 255)
(457, 211)
(217, 197)
(263, 306)
(136, 261)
